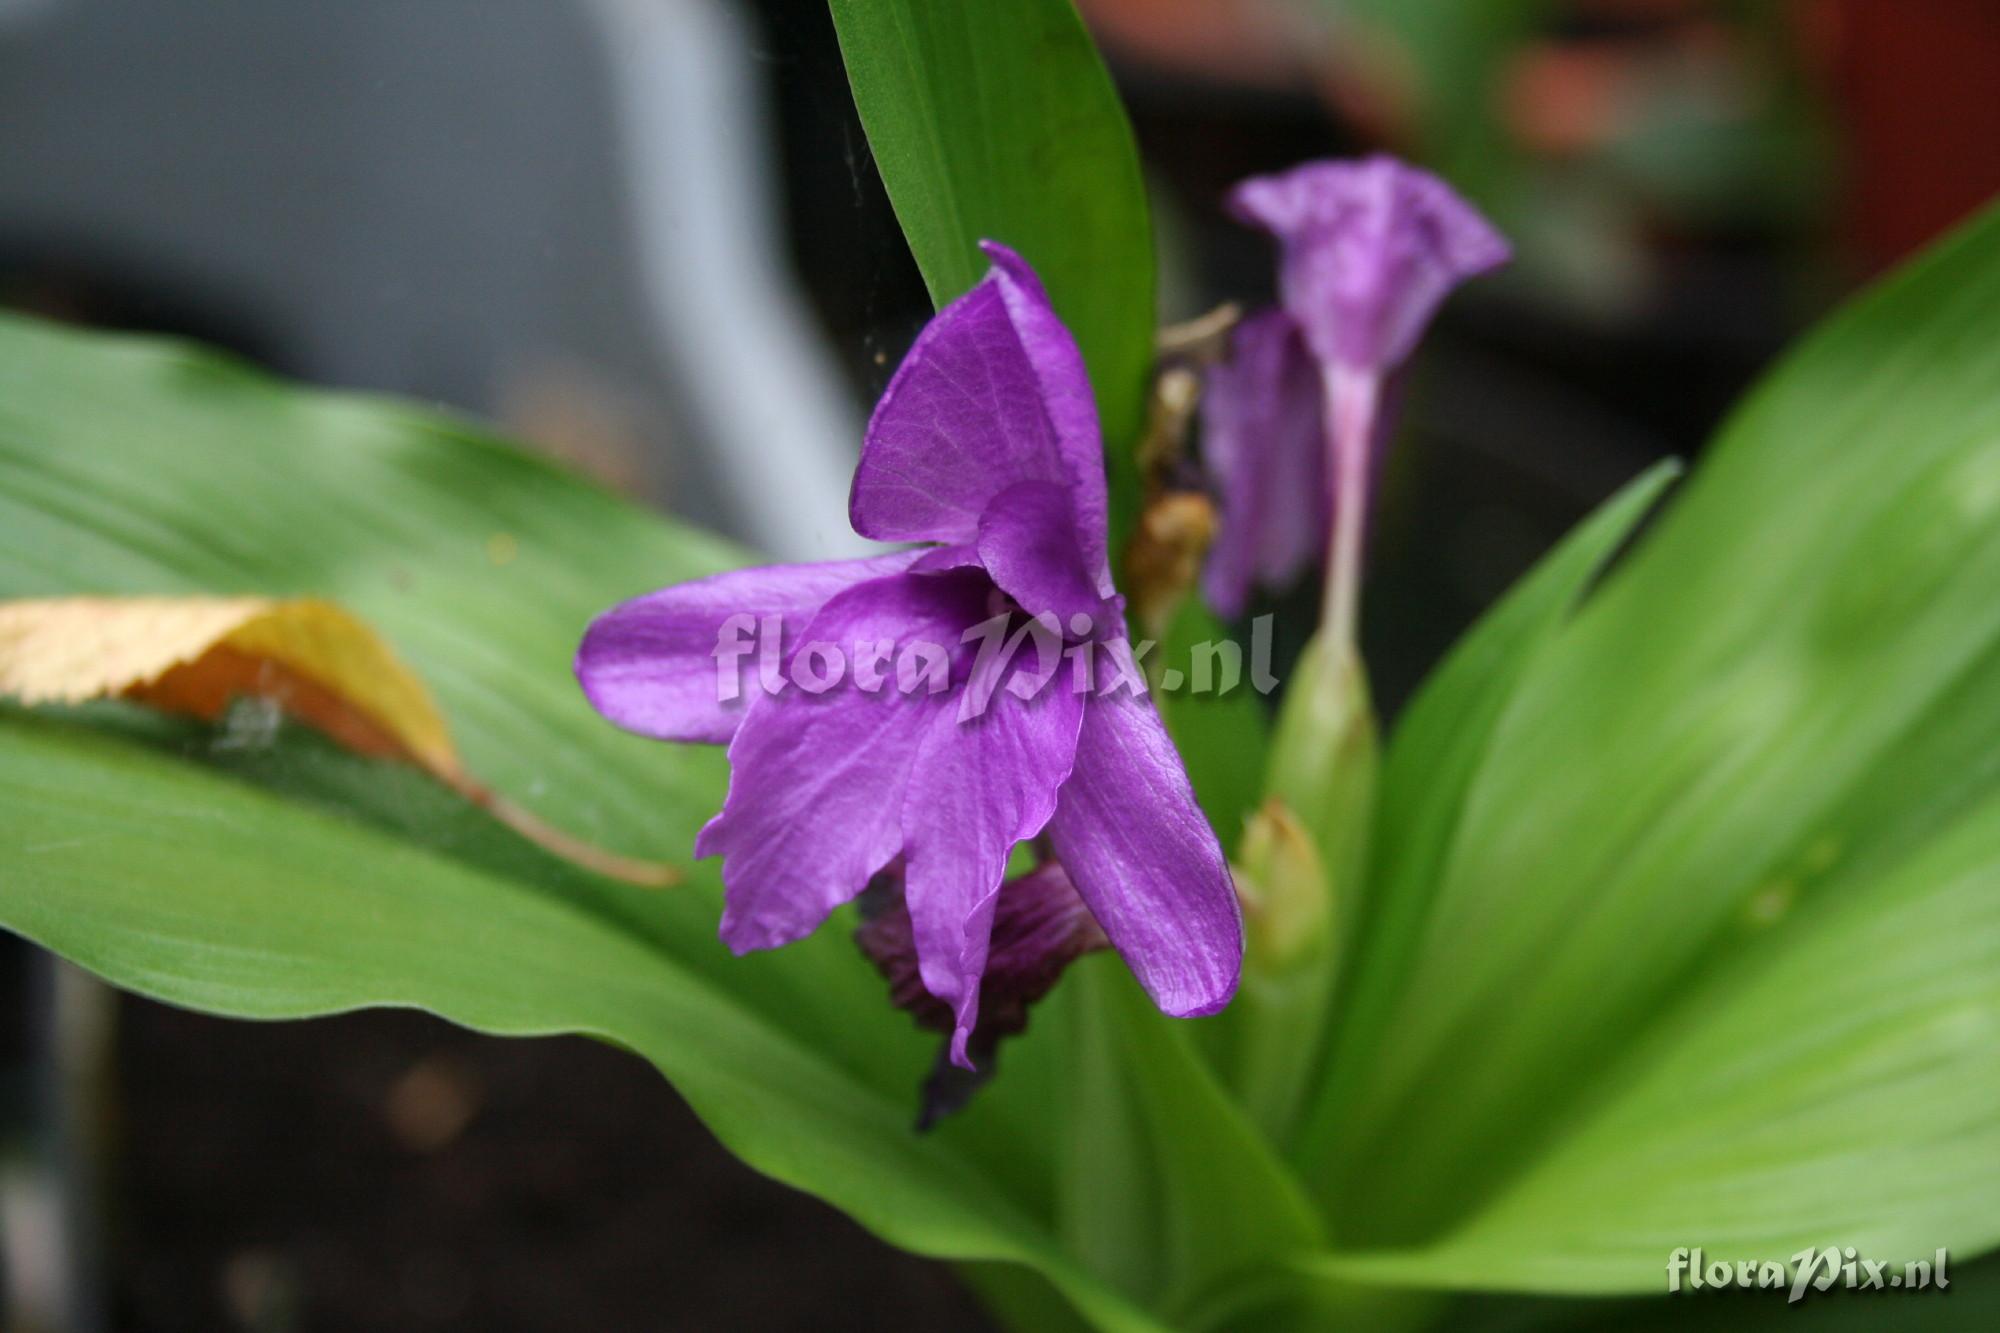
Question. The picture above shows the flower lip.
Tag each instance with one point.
(1040, 926)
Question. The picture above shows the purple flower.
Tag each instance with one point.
(985, 443)
(1368, 250)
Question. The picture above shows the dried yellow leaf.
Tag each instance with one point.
(321, 664)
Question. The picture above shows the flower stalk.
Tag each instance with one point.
(1352, 397)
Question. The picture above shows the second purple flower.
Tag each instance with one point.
(1292, 424)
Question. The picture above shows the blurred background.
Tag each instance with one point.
(646, 236)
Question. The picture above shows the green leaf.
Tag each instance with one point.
(1170, 1192)
(1438, 748)
(200, 891)
(1835, 1089)
(998, 122)
(1278, 1024)
(1727, 868)
(144, 851)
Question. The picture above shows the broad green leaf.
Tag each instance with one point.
(1437, 749)
(143, 850)
(1021, 1298)
(194, 889)
(1169, 1192)
(1279, 1027)
(998, 121)
(1721, 799)
(134, 467)
(1819, 1093)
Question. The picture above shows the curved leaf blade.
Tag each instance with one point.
(193, 889)
(1434, 756)
(1782, 706)
(998, 121)
(129, 466)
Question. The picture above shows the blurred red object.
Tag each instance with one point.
(1259, 43)
(1916, 84)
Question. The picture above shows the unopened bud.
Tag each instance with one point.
(1288, 905)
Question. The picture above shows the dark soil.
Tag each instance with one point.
(388, 1171)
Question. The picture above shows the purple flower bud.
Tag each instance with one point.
(1292, 425)
(1369, 250)
(1264, 443)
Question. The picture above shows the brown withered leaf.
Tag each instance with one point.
(316, 661)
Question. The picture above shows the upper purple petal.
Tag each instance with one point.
(1371, 248)
(1027, 542)
(650, 664)
(816, 781)
(1066, 393)
(1144, 858)
(993, 393)
(981, 784)
(1265, 448)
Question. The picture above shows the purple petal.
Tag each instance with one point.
(1027, 542)
(1264, 445)
(942, 559)
(816, 781)
(1066, 392)
(980, 786)
(1371, 248)
(650, 665)
(993, 393)
(1142, 855)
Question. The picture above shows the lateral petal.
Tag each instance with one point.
(1027, 542)
(650, 665)
(1143, 857)
(1066, 393)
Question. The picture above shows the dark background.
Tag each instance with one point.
(439, 201)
